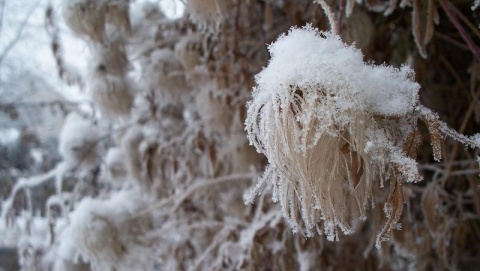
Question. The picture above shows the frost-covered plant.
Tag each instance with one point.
(331, 127)
(168, 193)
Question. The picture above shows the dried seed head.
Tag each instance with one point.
(78, 141)
(215, 114)
(86, 18)
(207, 13)
(166, 74)
(111, 95)
(188, 50)
(117, 14)
(106, 233)
(131, 145)
(115, 164)
(111, 59)
(314, 116)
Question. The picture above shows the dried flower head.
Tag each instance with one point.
(111, 94)
(115, 164)
(188, 50)
(330, 125)
(214, 112)
(111, 59)
(117, 14)
(86, 18)
(78, 141)
(166, 74)
(207, 13)
(107, 233)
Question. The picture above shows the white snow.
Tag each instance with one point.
(306, 58)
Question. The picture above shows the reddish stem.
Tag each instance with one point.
(453, 18)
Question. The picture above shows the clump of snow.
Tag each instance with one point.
(308, 58)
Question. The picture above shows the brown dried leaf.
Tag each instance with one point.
(429, 29)
(416, 29)
(212, 151)
(176, 165)
(412, 143)
(356, 169)
(430, 201)
(393, 209)
(117, 14)
(150, 164)
(201, 141)
(435, 138)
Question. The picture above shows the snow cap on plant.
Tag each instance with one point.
(329, 125)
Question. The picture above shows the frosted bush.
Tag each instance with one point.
(315, 112)
(78, 141)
